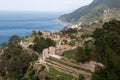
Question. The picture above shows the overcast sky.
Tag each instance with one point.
(42, 5)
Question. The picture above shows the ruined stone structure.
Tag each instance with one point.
(106, 15)
(52, 50)
(46, 53)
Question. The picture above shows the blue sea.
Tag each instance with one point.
(23, 23)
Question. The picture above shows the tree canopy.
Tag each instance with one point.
(41, 43)
(107, 42)
(15, 61)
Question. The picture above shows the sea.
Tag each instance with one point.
(23, 23)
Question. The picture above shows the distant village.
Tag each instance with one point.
(52, 51)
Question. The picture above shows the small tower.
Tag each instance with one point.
(106, 15)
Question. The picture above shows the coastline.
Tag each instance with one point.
(25, 26)
(63, 22)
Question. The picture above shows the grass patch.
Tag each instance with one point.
(70, 54)
(57, 73)
(30, 39)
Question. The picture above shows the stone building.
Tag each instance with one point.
(46, 33)
(52, 50)
(46, 53)
(106, 15)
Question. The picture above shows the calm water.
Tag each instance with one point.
(22, 23)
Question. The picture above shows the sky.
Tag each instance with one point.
(42, 5)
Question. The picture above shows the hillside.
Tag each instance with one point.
(93, 11)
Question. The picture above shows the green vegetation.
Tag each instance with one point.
(14, 40)
(31, 75)
(86, 35)
(70, 54)
(80, 54)
(60, 74)
(81, 77)
(30, 38)
(93, 12)
(69, 32)
(15, 61)
(108, 46)
(41, 43)
(83, 55)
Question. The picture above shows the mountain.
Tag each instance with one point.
(94, 11)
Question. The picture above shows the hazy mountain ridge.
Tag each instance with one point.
(93, 11)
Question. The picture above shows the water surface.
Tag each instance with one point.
(23, 23)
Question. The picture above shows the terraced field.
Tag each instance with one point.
(71, 64)
(68, 68)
